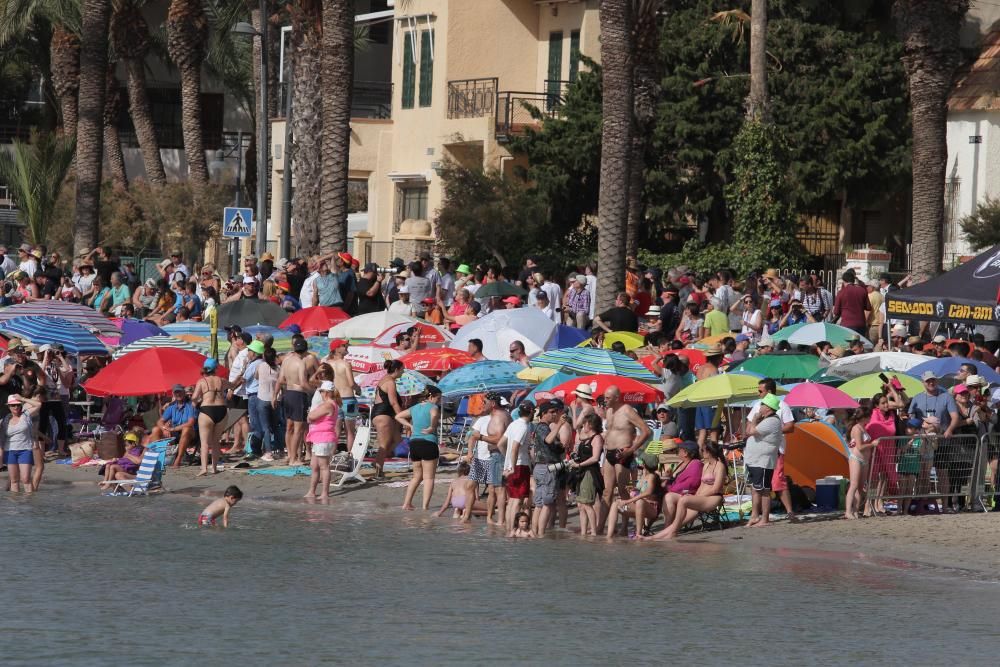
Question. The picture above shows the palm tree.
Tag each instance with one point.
(616, 128)
(645, 77)
(929, 30)
(112, 142)
(187, 36)
(17, 17)
(758, 101)
(338, 81)
(34, 172)
(307, 123)
(90, 126)
(131, 40)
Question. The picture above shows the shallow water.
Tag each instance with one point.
(88, 577)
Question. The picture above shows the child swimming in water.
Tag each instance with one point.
(522, 526)
(461, 495)
(221, 506)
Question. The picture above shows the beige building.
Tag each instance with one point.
(463, 73)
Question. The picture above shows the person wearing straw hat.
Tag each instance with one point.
(582, 405)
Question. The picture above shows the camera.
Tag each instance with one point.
(557, 467)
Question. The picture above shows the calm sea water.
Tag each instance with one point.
(88, 577)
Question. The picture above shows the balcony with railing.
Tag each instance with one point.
(370, 99)
(472, 98)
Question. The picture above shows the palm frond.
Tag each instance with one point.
(734, 19)
(34, 172)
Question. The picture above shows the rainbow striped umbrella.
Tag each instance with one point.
(84, 316)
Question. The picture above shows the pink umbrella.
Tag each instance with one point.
(813, 395)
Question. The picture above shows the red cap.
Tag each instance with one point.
(513, 299)
(337, 342)
(428, 301)
(283, 286)
(345, 257)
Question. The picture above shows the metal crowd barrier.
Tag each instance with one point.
(919, 474)
(985, 477)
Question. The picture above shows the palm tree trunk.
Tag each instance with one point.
(757, 101)
(142, 120)
(64, 55)
(636, 202)
(112, 143)
(307, 124)
(90, 127)
(194, 145)
(929, 29)
(616, 128)
(338, 81)
(645, 77)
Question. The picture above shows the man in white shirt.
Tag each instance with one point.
(554, 293)
(402, 305)
(179, 265)
(778, 482)
(308, 293)
(239, 359)
(6, 263)
(517, 462)
(543, 304)
(592, 288)
(446, 282)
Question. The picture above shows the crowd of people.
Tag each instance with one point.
(531, 459)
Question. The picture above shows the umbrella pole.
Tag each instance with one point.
(213, 321)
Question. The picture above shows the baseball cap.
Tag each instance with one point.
(929, 375)
(513, 300)
(541, 294)
(210, 364)
(429, 301)
(404, 290)
(899, 331)
(550, 405)
(256, 347)
(131, 437)
(742, 338)
(938, 339)
(914, 422)
(13, 400)
(299, 345)
(345, 257)
(245, 337)
(283, 286)
(690, 446)
(775, 303)
(327, 385)
(493, 396)
(249, 280)
(337, 342)
(371, 267)
(771, 401)
(961, 389)
(178, 388)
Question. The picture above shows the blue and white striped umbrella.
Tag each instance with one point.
(483, 376)
(158, 341)
(592, 361)
(47, 330)
(192, 328)
(84, 316)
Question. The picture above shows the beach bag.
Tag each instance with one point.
(402, 450)
(110, 446)
(82, 450)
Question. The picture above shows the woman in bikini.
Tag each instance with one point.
(587, 481)
(645, 503)
(859, 446)
(384, 410)
(210, 397)
(708, 496)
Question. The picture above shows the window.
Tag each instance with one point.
(415, 203)
(555, 67)
(426, 67)
(409, 72)
(574, 54)
(165, 109)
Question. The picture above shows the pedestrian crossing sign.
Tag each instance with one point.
(237, 222)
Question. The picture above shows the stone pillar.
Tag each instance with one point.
(362, 243)
(868, 263)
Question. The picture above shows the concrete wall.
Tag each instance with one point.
(976, 165)
(567, 17)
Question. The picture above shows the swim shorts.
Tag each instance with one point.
(494, 473)
(323, 448)
(518, 483)
(778, 481)
(19, 457)
(424, 450)
(479, 471)
(614, 457)
(545, 485)
(349, 408)
(296, 405)
(760, 478)
(703, 418)
(206, 520)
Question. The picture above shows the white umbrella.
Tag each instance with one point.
(502, 327)
(368, 326)
(369, 358)
(873, 362)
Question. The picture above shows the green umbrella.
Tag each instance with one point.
(782, 366)
(867, 386)
(499, 288)
(810, 333)
(820, 377)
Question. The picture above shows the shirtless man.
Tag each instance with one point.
(486, 456)
(347, 388)
(704, 420)
(294, 390)
(624, 434)
(581, 406)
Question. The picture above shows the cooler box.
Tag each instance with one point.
(827, 494)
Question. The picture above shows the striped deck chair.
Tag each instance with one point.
(148, 476)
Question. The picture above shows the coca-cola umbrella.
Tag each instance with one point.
(154, 370)
(437, 360)
(368, 358)
(430, 334)
(633, 391)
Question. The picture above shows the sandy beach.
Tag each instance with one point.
(964, 542)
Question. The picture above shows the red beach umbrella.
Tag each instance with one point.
(315, 320)
(151, 371)
(437, 360)
(633, 391)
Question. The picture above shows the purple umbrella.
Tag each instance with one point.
(133, 330)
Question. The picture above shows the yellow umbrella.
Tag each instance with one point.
(536, 374)
(631, 340)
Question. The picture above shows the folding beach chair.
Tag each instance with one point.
(148, 476)
(455, 435)
(358, 451)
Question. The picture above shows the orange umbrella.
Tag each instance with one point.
(815, 450)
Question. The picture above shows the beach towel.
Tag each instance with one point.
(282, 472)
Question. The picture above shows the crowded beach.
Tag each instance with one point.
(696, 402)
